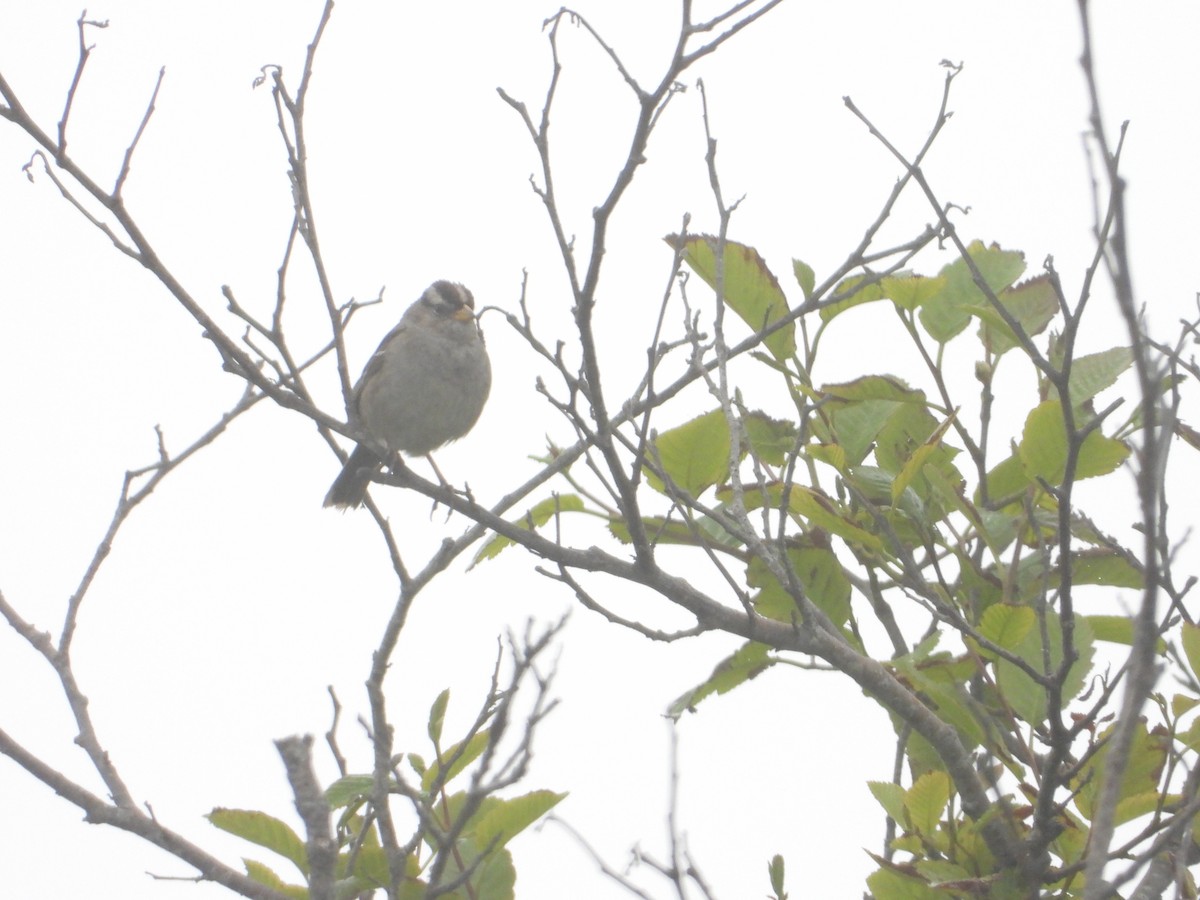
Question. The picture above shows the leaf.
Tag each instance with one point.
(1043, 447)
(1147, 755)
(506, 818)
(1100, 565)
(1006, 625)
(947, 313)
(912, 291)
(1031, 303)
(1093, 373)
(805, 277)
(266, 876)
(771, 440)
(859, 409)
(751, 290)
(916, 462)
(820, 575)
(1119, 630)
(1025, 696)
(1191, 646)
(264, 830)
(348, 789)
(437, 716)
(890, 796)
(694, 455)
(855, 291)
(474, 746)
(821, 512)
(534, 518)
(925, 802)
(775, 872)
(746, 663)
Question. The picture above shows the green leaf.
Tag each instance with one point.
(1025, 696)
(855, 291)
(1116, 630)
(805, 277)
(266, 876)
(821, 512)
(912, 291)
(945, 315)
(1006, 625)
(746, 663)
(1147, 755)
(1100, 565)
(1031, 303)
(694, 455)
(534, 518)
(437, 716)
(1043, 448)
(820, 575)
(264, 830)
(751, 290)
(1191, 646)
(893, 882)
(506, 818)
(925, 802)
(1093, 373)
(891, 797)
(1005, 482)
(775, 874)
(659, 530)
(917, 460)
(474, 746)
(348, 790)
(771, 440)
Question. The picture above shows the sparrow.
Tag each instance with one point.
(424, 387)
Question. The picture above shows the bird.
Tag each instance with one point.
(423, 388)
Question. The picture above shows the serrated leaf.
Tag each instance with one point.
(746, 663)
(694, 455)
(919, 457)
(1099, 565)
(751, 289)
(891, 797)
(534, 518)
(1031, 303)
(820, 574)
(474, 746)
(912, 291)
(1095, 372)
(1147, 756)
(264, 830)
(947, 313)
(346, 790)
(771, 440)
(855, 291)
(1006, 625)
(821, 512)
(1043, 447)
(266, 876)
(925, 802)
(507, 818)
(1024, 695)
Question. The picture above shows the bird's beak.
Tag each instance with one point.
(464, 314)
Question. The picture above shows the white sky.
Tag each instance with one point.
(232, 599)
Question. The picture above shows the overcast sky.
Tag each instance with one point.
(232, 599)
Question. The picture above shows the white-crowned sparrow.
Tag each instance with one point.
(424, 387)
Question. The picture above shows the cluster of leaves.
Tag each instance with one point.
(458, 848)
(877, 491)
